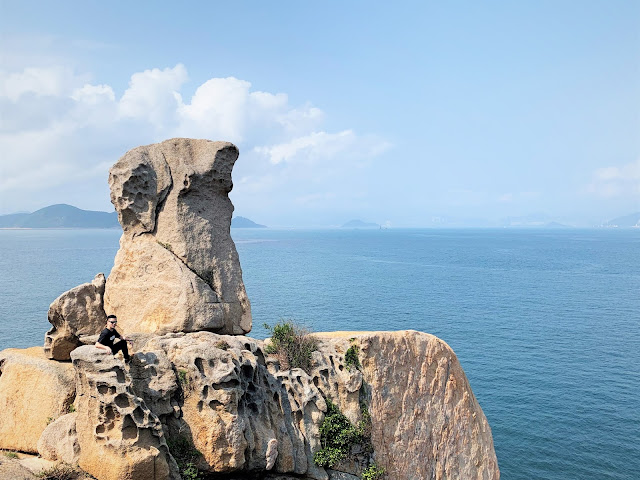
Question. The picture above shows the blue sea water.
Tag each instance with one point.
(546, 323)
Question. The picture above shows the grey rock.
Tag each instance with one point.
(74, 315)
(177, 268)
(59, 441)
(120, 437)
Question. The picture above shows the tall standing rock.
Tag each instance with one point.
(177, 269)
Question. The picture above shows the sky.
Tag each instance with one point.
(412, 114)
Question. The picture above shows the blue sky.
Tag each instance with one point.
(410, 115)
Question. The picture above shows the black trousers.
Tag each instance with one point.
(121, 346)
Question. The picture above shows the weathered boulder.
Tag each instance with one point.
(237, 410)
(34, 391)
(177, 269)
(425, 421)
(59, 441)
(120, 438)
(74, 315)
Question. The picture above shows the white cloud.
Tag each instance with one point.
(616, 181)
(64, 132)
(47, 81)
(94, 94)
(153, 95)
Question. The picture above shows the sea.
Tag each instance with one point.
(546, 323)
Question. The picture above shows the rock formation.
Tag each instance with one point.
(75, 316)
(59, 441)
(177, 269)
(119, 437)
(34, 391)
(198, 394)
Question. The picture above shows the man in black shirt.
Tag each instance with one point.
(108, 336)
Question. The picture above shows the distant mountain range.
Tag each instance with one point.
(68, 216)
(241, 222)
(359, 224)
(60, 216)
(626, 221)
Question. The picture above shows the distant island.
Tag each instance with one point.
(359, 224)
(241, 222)
(60, 216)
(68, 216)
(626, 221)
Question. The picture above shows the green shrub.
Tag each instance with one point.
(373, 472)
(337, 436)
(10, 454)
(71, 408)
(182, 377)
(222, 345)
(292, 345)
(62, 471)
(351, 358)
(186, 456)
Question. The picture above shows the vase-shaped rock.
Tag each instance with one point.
(177, 269)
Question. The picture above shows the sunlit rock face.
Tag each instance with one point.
(76, 317)
(33, 391)
(119, 437)
(177, 269)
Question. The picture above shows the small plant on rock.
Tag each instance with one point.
(337, 436)
(62, 471)
(186, 457)
(166, 246)
(71, 408)
(351, 358)
(182, 378)
(292, 345)
(10, 454)
(222, 345)
(373, 472)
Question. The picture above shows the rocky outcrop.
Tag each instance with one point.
(120, 438)
(232, 403)
(34, 391)
(59, 441)
(425, 421)
(75, 315)
(235, 408)
(177, 269)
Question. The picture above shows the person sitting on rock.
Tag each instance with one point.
(106, 340)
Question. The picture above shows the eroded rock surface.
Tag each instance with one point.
(425, 421)
(233, 404)
(75, 315)
(34, 391)
(235, 408)
(120, 438)
(59, 441)
(177, 269)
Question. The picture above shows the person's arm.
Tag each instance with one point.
(102, 347)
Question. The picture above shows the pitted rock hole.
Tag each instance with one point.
(199, 366)
(247, 371)
(103, 389)
(109, 414)
(231, 384)
(138, 415)
(129, 428)
(122, 401)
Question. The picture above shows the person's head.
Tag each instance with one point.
(111, 321)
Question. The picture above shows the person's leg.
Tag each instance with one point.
(121, 346)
